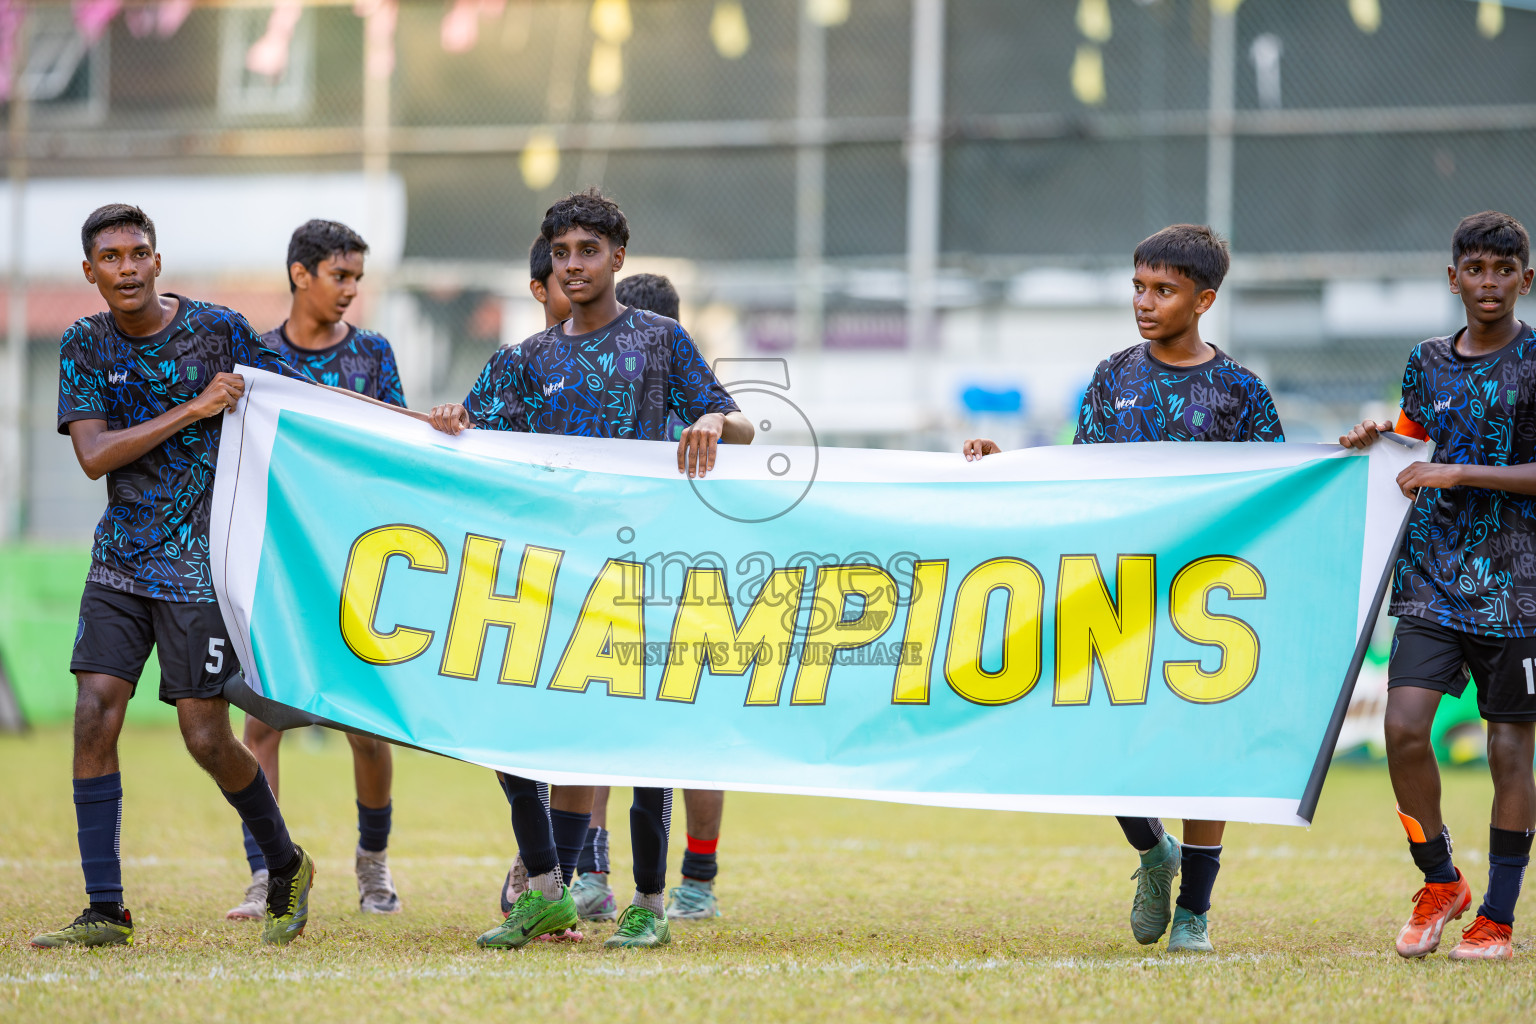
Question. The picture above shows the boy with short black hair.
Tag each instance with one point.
(1172, 387)
(652, 292)
(544, 385)
(1464, 588)
(141, 391)
(325, 266)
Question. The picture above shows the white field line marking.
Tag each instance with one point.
(891, 851)
(789, 969)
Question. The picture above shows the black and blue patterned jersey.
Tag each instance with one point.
(1468, 560)
(618, 381)
(1134, 396)
(362, 362)
(153, 539)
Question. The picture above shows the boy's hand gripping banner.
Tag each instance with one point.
(1141, 629)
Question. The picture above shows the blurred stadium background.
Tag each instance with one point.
(924, 207)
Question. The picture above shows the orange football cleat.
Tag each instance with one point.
(1485, 940)
(1433, 907)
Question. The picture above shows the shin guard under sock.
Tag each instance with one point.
(1509, 853)
(1197, 876)
(257, 807)
(530, 824)
(594, 852)
(99, 820)
(1431, 853)
(570, 831)
(699, 859)
(373, 826)
(650, 818)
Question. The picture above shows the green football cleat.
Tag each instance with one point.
(1190, 933)
(533, 914)
(288, 902)
(693, 900)
(89, 929)
(639, 927)
(594, 897)
(1153, 905)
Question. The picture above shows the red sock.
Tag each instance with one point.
(704, 846)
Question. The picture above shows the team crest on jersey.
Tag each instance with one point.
(631, 364)
(359, 382)
(1197, 418)
(194, 373)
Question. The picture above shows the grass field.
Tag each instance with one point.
(835, 910)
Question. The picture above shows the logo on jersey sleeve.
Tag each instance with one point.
(631, 365)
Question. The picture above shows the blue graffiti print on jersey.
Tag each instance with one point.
(362, 362)
(1468, 561)
(1136, 397)
(619, 381)
(153, 539)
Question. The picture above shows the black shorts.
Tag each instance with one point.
(117, 630)
(1435, 657)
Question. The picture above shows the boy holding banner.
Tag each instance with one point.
(569, 807)
(325, 264)
(548, 384)
(694, 899)
(142, 392)
(1172, 387)
(1464, 589)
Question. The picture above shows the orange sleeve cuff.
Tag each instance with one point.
(1408, 428)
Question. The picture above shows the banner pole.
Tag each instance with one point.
(1314, 790)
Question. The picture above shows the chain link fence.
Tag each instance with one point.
(764, 151)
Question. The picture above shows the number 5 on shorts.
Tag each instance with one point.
(215, 660)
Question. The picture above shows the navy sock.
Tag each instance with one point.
(99, 818)
(253, 855)
(594, 852)
(1508, 854)
(570, 831)
(1141, 833)
(530, 823)
(373, 827)
(650, 818)
(257, 807)
(701, 866)
(1434, 857)
(1197, 877)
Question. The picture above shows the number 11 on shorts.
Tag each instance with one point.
(1530, 676)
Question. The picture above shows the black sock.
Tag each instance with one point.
(257, 807)
(1509, 853)
(253, 855)
(531, 825)
(570, 831)
(373, 827)
(1434, 857)
(1141, 833)
(594, 852)
(1198, 876)
(99, 819)
(116, 911)
(650, 818)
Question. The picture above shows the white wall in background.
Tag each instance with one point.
(206, 225)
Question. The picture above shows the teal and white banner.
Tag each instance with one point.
(1158, 629)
